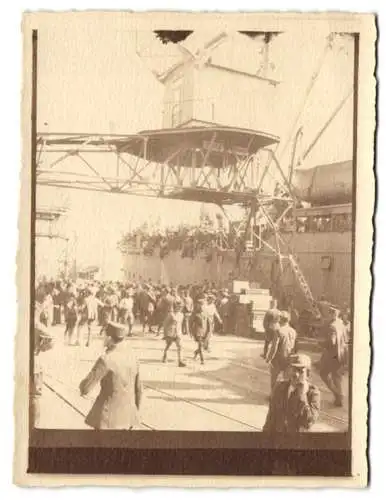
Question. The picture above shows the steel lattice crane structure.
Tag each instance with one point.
(221, 165)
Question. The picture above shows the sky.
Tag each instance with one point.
(90, 79)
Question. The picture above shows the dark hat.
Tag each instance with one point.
(116, 330)
(300, 361)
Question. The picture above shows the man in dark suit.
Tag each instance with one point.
(118, 403)
(295, 403)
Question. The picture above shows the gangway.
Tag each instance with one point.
(304, 286)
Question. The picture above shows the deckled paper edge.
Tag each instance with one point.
(362, 23)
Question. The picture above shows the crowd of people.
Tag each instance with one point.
(197, 311)
(190, 241)
(209, 235)
(170, 311)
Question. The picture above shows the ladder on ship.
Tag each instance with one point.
(304, 286)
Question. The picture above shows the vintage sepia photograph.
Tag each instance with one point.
(193, 234)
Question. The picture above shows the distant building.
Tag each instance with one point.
(51, 243)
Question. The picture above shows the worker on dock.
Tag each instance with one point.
(282, 347)
(270, 325)
(199, 327)
(117, 370)
(295, 402)
(173, 331)
(335, 353)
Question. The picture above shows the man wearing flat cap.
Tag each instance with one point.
(295, 403)
(117, 370)
(282, 347)
(213, 316)
(188, 306)
(224, 310)
(173, 332)
(335, 353)
(271, 325)
(199, 327)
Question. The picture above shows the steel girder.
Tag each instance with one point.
(205, 171)
(123, 165)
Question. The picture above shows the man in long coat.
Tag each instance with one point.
(270, 324)
(282, 347)
(334, 355)
(213, 316)
(118, 403)
(224, 310)
(187, 310)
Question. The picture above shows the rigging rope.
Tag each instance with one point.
(327, 124)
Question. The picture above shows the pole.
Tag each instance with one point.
(311, 84)
(298, 137)
(326, 125)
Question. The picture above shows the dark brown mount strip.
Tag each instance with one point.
(171, 440)
(332, 463)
